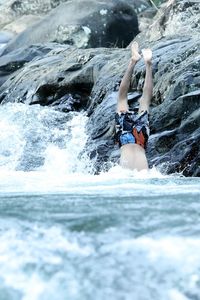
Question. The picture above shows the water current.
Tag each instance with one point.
(68, 234)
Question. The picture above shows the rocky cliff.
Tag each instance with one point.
(67, 77)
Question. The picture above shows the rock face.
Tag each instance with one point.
(24, 12)
(68, 78)
(83, 23)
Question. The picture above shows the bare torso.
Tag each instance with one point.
(133, 157)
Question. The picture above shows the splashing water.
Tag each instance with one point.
(41, 150)
(40, 147)
(41, 134)
(68, 234)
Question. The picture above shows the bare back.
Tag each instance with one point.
(133, 157)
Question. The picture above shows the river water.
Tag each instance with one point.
(68, 234)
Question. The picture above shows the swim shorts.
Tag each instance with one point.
(132, 127)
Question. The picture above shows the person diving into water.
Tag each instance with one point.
(132, 128)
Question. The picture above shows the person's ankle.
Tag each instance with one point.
(133, 61)
(148, 63)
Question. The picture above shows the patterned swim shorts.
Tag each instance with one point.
(132, 127)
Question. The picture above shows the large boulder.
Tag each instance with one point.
(44, 74)
(70, 79)
(17, 15)
(15, 60)
(83, 23)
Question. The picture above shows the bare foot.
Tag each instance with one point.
(147, 55)
(134, 52)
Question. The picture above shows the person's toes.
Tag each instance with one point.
(147, 54)
(134, 51)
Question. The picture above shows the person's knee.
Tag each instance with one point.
(122, 106)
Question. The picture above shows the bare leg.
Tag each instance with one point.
(122, 103)
(145, 100)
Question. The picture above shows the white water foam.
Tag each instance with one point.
(168, 264)
(57, 137)
(174, 262)
(45, 144)
(29, 134)
(20, 257)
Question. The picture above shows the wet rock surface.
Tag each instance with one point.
(71, 79)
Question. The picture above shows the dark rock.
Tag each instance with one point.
(175, 116)
(62, 77)
(15, 60)
(68, 78)
(83, 23)
(18, 15)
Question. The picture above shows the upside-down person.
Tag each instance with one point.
(132, 128)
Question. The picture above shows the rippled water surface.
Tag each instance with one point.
(121, 238)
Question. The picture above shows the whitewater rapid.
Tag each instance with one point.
(66, 233)
(42, 151)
